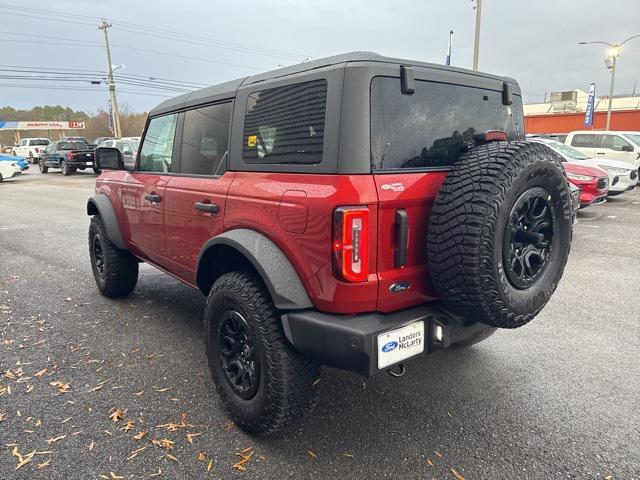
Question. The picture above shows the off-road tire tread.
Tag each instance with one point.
(462, 230)
(289, 378)
(122, 267)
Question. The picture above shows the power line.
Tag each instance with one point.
(79, 89)
(140, 29)
(127, 47)
(93, 73)
(39, 78)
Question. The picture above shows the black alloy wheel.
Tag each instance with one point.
(528, 237)
(238, 354)
(98, 256)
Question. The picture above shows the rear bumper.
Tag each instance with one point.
(351, 342)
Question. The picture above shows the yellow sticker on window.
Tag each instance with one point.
(252, 140)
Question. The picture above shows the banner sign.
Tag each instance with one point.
(588, 113)
(41, 125)
(110, 117)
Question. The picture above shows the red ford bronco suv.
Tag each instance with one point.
(355, 211)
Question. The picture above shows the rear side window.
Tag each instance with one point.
(205, 139)
(435, 125)
(285, 125)
(584, 140)
(157, 147)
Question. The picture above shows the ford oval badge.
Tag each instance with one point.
(400, 286)
(387, 347)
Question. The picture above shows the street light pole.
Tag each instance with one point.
(112, 85)
(476, 44)
(613, 81)
(614, 53)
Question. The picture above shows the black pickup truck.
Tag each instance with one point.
(68, 156)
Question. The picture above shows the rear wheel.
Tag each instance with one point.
(66, 170)
(97, 171)
(43, 168)
(262, 380)
(115, 270)
(500, 232)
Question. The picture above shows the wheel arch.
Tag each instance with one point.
(247, 248)
(101, 205)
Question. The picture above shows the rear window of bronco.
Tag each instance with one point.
(285, 125)
(432, 127)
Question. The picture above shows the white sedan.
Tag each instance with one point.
(9, 170)
(623, 176)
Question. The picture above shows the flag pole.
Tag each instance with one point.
(448, 59)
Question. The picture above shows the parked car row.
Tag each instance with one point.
(127, 145)
(597, 177)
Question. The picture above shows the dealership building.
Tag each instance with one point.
(564, 112)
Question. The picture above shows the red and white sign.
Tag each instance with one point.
(72, 125)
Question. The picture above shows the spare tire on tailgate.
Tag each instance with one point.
(500, 232)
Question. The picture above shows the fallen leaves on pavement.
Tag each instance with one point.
(456, 474)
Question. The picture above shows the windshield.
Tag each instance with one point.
(634, 137)
(436, 124)
(568, 151)
(72, 146)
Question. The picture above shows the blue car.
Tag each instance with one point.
(22, 163)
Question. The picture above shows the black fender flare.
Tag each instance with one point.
(273, 266)
(101, 205)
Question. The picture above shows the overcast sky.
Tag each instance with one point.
(532, 41)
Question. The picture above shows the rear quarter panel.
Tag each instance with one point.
(255, 201)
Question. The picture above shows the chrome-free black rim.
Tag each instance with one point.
(528, 237)
(238, 354)
(98, 256)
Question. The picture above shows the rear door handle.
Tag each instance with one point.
(600, 153)
(153, 197)
(402, 238)
(206, 207)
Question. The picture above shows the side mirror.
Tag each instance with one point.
(108, 158)
(626, 148)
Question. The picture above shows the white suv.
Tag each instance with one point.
(30, 148)
(607, 144)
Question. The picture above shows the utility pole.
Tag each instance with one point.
(476, 45)
(112, 84)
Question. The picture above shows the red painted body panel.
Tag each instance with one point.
(295, 211)
(254, 202)
(188, 229)
(415, 194)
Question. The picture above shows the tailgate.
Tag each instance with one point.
(83, 156)
(405, 202)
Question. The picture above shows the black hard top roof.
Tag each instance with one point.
(228, 89)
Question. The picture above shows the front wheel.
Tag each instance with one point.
(43, 168)
(97, 171)
(115, 270)
(262, 380)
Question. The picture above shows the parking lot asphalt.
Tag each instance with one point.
(121, 389)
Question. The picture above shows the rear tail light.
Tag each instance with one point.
(351, 243)
(69, 156)
(490, 136)
(37, 150)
